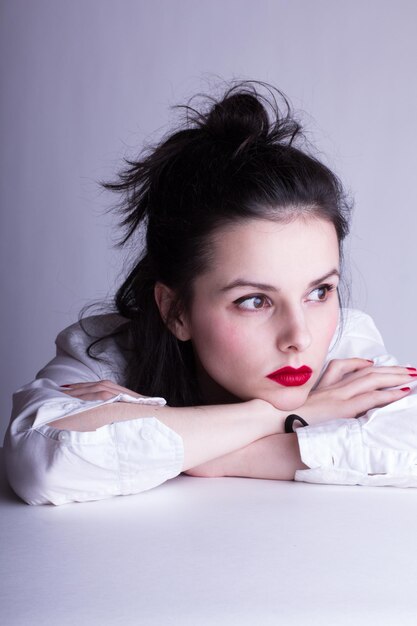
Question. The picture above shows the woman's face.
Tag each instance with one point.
(267, 302)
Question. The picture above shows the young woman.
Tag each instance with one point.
(228, 324)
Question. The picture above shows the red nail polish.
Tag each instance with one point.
(369, 360)
(66, 385)
(405, 389)
(412, 374)
(413, 369)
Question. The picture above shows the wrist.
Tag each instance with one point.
(273, 417)
(313, 412)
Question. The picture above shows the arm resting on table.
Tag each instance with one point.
(207, 431)
(275, 457)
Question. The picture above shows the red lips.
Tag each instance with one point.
(291, 377)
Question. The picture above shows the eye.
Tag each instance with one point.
(253, 303)
(320, 294)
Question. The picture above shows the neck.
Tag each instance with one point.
(212, 392)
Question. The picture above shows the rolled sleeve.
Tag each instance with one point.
(48, 465)
(45, 464)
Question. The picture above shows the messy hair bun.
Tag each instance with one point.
(245, 117)
(234, 158)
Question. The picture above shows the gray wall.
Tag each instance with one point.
(87, 80)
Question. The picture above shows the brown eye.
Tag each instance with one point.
(320, 294)
(258, 303)
(253, 303)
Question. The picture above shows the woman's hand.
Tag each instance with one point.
(351, 387)
(98, 390)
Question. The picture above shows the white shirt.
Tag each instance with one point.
(48, 465)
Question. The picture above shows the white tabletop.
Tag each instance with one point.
(219, 551)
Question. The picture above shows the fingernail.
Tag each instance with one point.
(66, 385)
(412, 374)
(405, 389)
(413, 369)
(369, 360)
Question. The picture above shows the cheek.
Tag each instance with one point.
(326, 327)
(214, 337)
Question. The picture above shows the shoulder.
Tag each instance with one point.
(107, 331)
(354, 322)
(358, 336)
(89, 329)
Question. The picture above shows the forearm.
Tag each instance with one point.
(207, 432)
(272, 457)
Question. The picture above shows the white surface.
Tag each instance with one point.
(224, 551)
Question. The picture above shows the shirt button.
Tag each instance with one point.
(146, 433)
(63, 435)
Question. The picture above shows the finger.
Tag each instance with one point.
(381, 370)
(373, 380)
(101, 394)
(79, 390)
(97, 386)
(339, 368)
(376, 399)
(93, 383)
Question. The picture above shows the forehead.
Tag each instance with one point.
(265, 250)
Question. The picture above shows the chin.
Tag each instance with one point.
(288, 400)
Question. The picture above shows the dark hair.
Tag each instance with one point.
(234, 159)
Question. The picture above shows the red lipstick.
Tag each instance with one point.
(291, 377)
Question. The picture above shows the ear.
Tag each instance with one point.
(165, 298)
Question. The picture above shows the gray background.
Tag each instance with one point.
(86, 82)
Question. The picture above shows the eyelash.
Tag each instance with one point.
(257, 296)
(327, 287)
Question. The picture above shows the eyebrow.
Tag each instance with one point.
(241, 282)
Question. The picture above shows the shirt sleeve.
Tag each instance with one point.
(48, 465)
(335, 452)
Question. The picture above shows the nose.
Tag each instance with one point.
(293, 332)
